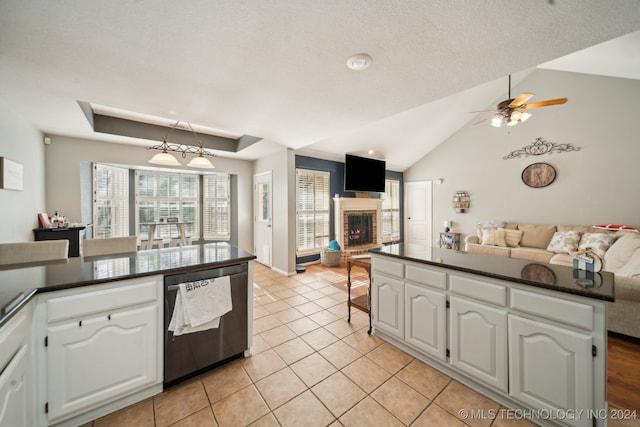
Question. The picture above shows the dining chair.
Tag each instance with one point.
(45, 250)
(110, 245)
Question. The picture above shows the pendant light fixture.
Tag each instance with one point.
(165, 158)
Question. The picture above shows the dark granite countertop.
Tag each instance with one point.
(542, 275)
(21, 282)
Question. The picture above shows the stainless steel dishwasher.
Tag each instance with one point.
(190, 354)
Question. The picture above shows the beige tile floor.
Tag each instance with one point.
(309, 367)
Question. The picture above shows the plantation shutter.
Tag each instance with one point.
(312, 210)
(110, 201)
(391, 211)
(216, 207)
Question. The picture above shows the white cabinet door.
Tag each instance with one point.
(479, 341)
(14, 402)
(426, 320)
(388, 312)
(100, 358)
(551, 368)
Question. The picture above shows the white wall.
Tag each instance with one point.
(282, 166)
(62, 163)
(21, 142)
(598, 184)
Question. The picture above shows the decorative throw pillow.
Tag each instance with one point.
(564, 242)
(536, 236)
(488, 223)
(598, 242)
(512, 237)
(493, 237)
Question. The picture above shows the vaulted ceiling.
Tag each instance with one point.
(277, 69)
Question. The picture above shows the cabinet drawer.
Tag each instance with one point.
(479, 290)
(425, 276)
(390, 268)
(131, 292)
(553, 308)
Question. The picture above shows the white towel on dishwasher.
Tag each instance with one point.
(200, 304)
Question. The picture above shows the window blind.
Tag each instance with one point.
(216, 207)
(110, 201)
(167, 195)
(391, 211)
(312, 210)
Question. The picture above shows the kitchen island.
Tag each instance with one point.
(86, 336)
(532, 336)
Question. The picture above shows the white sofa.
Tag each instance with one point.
(555, 244)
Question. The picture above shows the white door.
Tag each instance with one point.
(262, 230)
(417, 211)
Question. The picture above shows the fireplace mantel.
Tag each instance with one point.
(342, 205)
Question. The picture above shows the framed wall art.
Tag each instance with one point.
(10, 174)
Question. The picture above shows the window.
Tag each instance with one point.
(165, 195)
(216, 207)
(391, 211)
(312, 211)
(110, 201)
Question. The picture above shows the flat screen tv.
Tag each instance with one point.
(363, 174)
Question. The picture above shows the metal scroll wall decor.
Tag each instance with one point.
(540, 147)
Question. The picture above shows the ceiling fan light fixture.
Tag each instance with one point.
(496, 120)
(524, 117)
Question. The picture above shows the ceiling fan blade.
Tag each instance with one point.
(544, 103)
(485, 111)
(521, 99)
(482, 121)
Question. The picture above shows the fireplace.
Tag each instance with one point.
(358, 224)
(359, 228)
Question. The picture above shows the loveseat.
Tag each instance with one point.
(557, 244)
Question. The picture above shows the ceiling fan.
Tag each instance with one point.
(512, 111)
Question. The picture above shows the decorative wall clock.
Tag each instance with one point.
(538, 175)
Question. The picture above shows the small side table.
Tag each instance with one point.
(72, 234)
(363, 302)
(450, 240)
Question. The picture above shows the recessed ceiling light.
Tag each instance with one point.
(371, 152)
(359, 61)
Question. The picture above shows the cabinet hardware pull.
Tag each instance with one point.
(80, 323)
(109, 317)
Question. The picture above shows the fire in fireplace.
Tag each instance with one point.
(359, 229)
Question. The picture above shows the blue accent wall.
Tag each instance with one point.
(336, 188)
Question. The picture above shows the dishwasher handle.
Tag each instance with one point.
(233, 276)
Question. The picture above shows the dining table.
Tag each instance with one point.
(179, 227)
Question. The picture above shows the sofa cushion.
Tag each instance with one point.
(532, 254)
(632, 267)
(621, 250)
(564, 242)
(489, 250)
(512, 237)
(536, 236)
(598, 242)
(493, 237)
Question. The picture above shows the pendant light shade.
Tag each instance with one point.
(200, 162)
(164, 159)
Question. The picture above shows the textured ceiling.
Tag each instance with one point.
(276, 69)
